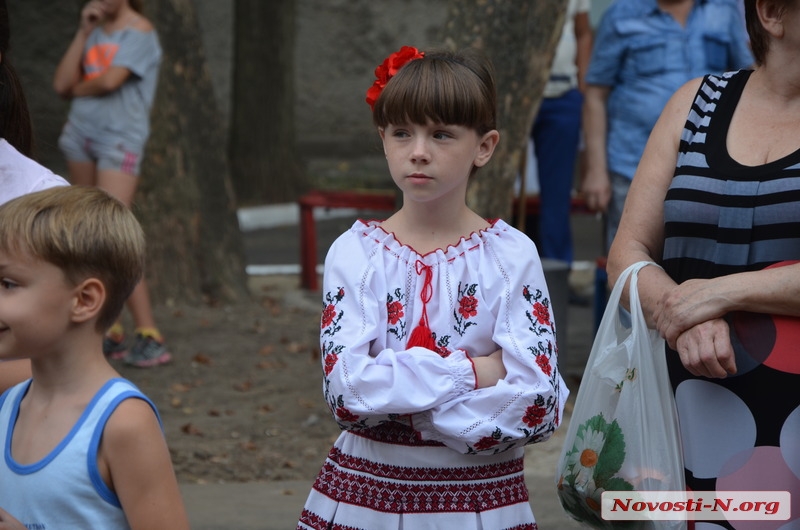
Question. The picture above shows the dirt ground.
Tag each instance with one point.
(242, 400)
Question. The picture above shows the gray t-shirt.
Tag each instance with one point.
(126, 111)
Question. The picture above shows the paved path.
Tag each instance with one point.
(277, 505)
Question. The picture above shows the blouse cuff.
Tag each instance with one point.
(465, 379)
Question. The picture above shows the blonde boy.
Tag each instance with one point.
(86, 446)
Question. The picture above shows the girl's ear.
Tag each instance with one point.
(486, 148)
(90, 295)
(382, 134)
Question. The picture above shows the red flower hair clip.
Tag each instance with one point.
(388, 69)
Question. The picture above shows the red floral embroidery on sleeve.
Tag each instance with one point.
(329, 322)
(328, 314)
(467, 307)
(330, 362)
(485, 443)
(442, 344)
(539, 314)
(544, 363)
(345, 415)
(396, 312)
(542, 313)
(534, 415)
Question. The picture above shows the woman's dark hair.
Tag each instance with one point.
(759, 38)
(15, 120)
(455, 88)
(137, 5)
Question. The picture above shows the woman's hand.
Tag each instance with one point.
(706, 349)
(489, 369)
(687, 305)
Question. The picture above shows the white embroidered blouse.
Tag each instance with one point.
(488, 292)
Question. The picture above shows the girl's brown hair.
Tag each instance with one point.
(454, 88)
(15, 120)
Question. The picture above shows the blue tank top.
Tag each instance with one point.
(64, 489)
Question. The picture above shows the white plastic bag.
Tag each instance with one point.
(623, 434)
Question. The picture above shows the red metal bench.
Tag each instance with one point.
(385, 201)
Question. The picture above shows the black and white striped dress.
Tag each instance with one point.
(742, 432)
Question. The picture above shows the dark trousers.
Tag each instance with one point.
(556, 133)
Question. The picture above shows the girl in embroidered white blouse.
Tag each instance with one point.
(437, 337)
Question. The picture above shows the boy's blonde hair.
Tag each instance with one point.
(83, 231)
(454, 88)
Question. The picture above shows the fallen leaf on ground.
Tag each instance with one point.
(294, 347)
(244, 386)
(191, 429)
(306, 403)
(202, 358)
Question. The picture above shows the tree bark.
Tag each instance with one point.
(264, 161)
(520, 38)
(185, 200)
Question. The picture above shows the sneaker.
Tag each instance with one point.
(114, 346)
(147, 352)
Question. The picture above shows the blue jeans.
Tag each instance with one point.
(620, 185)
(556, 133)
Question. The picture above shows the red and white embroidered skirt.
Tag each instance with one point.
(385, 478)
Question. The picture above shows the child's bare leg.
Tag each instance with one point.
(82, 173)
(148, 349)
(140, 308)
(120, 185)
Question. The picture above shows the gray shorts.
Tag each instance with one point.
(107, 150)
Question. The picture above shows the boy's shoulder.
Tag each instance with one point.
(120, 390)
(134, 417)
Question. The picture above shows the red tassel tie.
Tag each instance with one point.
(422, 335)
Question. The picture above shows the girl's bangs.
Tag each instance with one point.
(433, 91)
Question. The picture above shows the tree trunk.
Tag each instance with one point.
(185, 199)
(520, 38)
(263, 155)
(41, 30)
